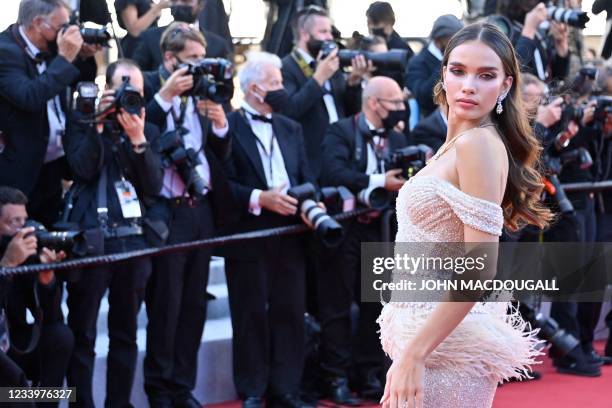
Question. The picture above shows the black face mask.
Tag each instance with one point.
(393, 118)
(277, 99)
(313, 46)
(183, 14)
(379, 32)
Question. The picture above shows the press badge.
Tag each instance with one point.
(130, 206)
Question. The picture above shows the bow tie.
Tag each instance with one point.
(260, 118)
(42, 56)
(378, 132)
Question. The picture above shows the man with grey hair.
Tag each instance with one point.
(266, 279)
(37, 55)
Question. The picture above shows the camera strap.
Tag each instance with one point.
(362, 132)
(305, 67)
(36, 327)
(103, 199)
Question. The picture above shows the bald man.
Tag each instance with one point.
(355, 150)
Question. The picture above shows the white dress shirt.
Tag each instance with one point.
(271, 157)
(173, 185)
(55, 114)
(376, 178)
(435, 51)
(328, 98)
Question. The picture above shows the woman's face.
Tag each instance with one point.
(474, 79)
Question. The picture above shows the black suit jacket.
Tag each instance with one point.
(430, 131)
(557, 66)
(340, 167)
(423, 73)
(88, 152)
(246, 173)
(308, 108)
(148, 52)
(23, 110)
(216, 150)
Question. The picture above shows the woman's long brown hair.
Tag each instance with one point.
(521, 203)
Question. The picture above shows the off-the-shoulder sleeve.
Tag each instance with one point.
(474, 212)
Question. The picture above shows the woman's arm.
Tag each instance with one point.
(136, 25)
(481, 165)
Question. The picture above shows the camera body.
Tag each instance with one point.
(91, 36)
(173, 151)
(410, 159)
(212, 79)
(85, 100)
(394, 60)
(327, 229)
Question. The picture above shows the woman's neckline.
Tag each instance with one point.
(444, 181)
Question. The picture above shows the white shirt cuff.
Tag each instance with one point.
(377, 180)
(163, 104)
(254, 207)
(221, 132)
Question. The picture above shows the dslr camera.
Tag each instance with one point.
(212, 79)
(392, 60)
(86, 100)
(173, 151)
(92, 36)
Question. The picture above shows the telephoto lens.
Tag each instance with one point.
(574, 18)
(327, 229)
(376, 198)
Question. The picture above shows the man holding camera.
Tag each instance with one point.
(319, 92)
(114, 169)
(40, 350)
(37, 57)
(355, 151)
(148, 54)
(266, 278)
(195, 197)
(381, 19)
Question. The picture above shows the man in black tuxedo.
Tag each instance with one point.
(45, 345)
(266, 278)
(37, 67)
(191, 201)
(148, 53)
(355, 152)
(431, 131)
(115, 170)
(424, 69)
(319, 92)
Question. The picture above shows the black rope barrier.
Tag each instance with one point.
(185, 246)
(595, 186)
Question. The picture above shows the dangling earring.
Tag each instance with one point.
(500, 108)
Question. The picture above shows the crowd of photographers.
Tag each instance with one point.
(161, 157)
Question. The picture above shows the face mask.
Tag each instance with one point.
(393, 118)
(380, 32)
(313, 47)
(183, 13)
(277, 99)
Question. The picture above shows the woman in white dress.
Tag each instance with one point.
(453, 354)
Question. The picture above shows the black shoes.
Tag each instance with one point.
(576, 362)
(369, 385)
(287, 401)
(338, 391)
(253, 402)
(592, 357)
(189, 402)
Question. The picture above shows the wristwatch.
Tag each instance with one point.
(140, 148)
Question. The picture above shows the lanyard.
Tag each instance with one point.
(268, 156)
(56, 112)
(378, 152)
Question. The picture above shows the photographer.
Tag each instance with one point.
(545, 55)
(114, 170)
(148, 53)
(424, 69)
(266, 278)
(381, 20)
(37, 57)
(195, 197)
(41, 350)
(371, 134)
(319, 93)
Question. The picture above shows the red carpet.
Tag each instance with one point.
(551, 391)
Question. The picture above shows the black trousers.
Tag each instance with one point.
(126, 283)
(45, 202)
(267, 303)
(578, 318)
(339, 285)
(176, 306)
